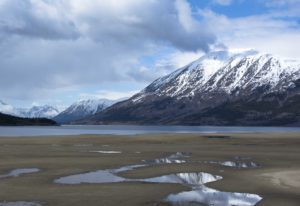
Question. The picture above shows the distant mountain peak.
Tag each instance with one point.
(46, 111)
(42, 111)
(83, 108)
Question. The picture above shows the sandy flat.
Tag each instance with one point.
(59, 156)
(285, 179)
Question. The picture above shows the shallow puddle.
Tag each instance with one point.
(107, 152)
(100, 176)
(199, 194)
(193, 178)
(172, 159)
(19, 203)
(18, 172)
(240, 164)
(165, 161)
(110, 175)
(236, 164)
(203, 195)
(127, 168)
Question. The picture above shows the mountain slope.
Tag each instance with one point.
(9, 120)
(82, 109)
(220, 88)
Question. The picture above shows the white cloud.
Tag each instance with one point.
(267, 33)
(177, 60)
(164, 65)
(48, 46)
(223, 2)
(185, 15)
(52, 47)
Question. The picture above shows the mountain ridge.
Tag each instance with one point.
(83, 108)
(220, 88)
(43, 111)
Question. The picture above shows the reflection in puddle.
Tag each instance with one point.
(109, 175)
(165, 161)
(100, 176)
(207, 196)
(240, 164)
(18, 172)
(199, 195)
(127, 168)
(107, 152)
(236, 164)
(172, 159)
(19, 203)
(199, 178)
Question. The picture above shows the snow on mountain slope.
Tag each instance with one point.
(226, 72)
(83, 108)
(220, 88)
(90, 106)
(40, 111)
(33, 112)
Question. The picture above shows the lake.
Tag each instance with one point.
(130, 130)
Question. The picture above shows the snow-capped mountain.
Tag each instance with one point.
(220, 88)
(228, 73)
(82, 109)
(39, 111)
(33, 112)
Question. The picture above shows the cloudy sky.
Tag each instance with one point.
(59, 51)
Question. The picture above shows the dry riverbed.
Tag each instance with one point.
(276, 179)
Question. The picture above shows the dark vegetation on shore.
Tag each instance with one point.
(9, 120)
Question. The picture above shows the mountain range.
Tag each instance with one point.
(44, 111)
(220, 88)
(82, 109)
(78, 110)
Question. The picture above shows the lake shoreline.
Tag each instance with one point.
(123, 130)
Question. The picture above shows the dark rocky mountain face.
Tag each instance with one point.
(9, 120)
(220, 88)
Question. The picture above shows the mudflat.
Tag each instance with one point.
(276, 180)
